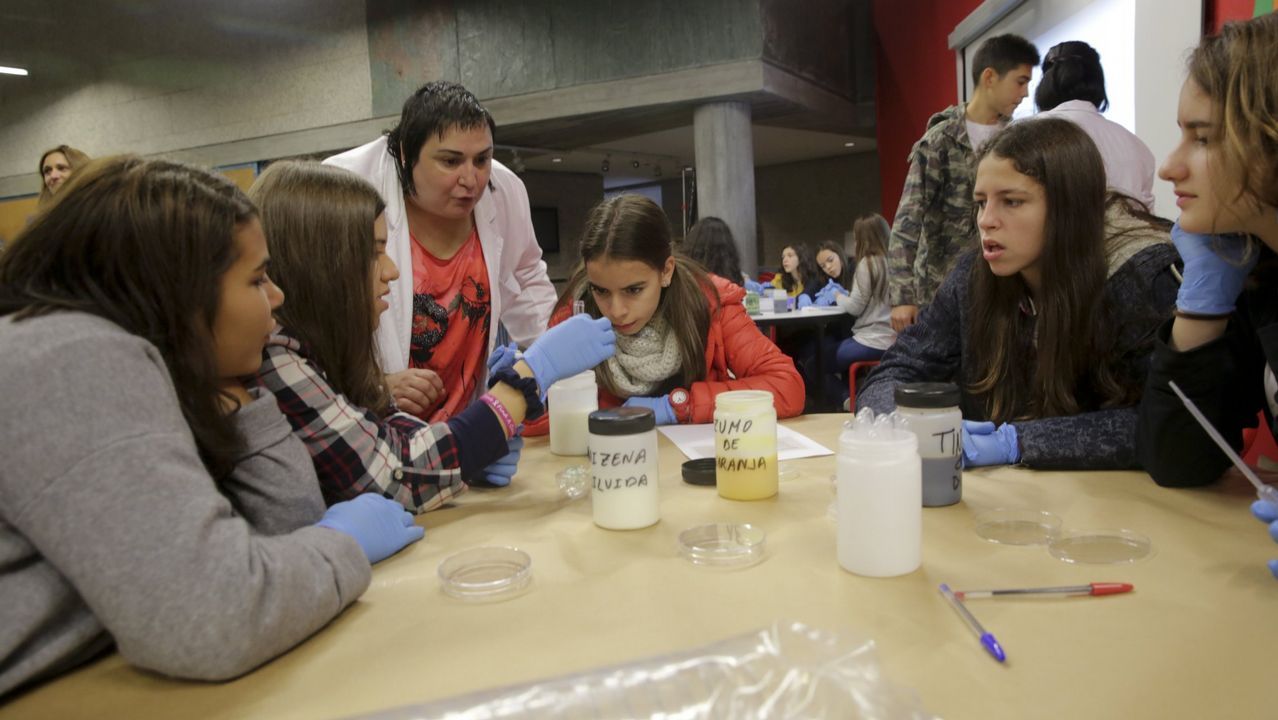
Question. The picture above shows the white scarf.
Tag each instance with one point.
(644, 360)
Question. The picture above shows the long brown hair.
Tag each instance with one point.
(319, 227)
(869, 241)
(75, 158)
(1012, 375)
(810, 275)
(632, 227)
(1236, 69)
(142, 244)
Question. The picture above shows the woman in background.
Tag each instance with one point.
(1073, 89)
(56, 167)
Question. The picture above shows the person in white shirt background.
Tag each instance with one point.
(1073, 88)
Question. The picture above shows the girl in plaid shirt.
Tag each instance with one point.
(327, 235)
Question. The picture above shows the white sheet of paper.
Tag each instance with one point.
(697, 441)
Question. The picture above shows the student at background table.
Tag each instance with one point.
(1222, 345)
(709, 241)
(867, 298)
(799, 274)
(1048, 331)
(321, 365)
(682, 336)
(148, 499)
(459, 228)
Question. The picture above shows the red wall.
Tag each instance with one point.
(915, 79)
(916, 73)
(1217, 12)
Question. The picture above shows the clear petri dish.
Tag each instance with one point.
(723, 545)
(574, 481)
(1013, 526)
(1103, 547)
(485, 574)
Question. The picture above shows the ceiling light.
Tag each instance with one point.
(12, 71)
(605, 165)
(556, 159)
(634, 164)
(849, 144)
(687, 168)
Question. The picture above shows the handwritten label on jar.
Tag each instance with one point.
(619, 470)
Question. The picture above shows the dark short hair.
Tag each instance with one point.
(1071, 71)
(436, 108)
(1003, 53)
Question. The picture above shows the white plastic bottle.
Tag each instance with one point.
(879, 485)
(570, 402)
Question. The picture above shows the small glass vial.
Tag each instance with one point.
(933, 412)
(745, 445)
(570, 402)
(780, 300)
(623, 468)
(878, 488)
(751, 302)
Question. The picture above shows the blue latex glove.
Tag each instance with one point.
(985, 444)
(1215, 268)
(804, 301)
(1268, 513)
(660, 406)
(571, 347)
(754, 286)
(825, 296)
(503, 357)
(381, 526)
(499, 473)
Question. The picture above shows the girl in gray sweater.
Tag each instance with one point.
(148, 500)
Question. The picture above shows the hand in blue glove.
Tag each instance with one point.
(1268, 513)
(825, 296)
(381, 526)
(805, 300)
(985, 444)
(754, 286)
(1215, 268)
(499, 473)
(571, 347)
(503, 357)
(660, 406)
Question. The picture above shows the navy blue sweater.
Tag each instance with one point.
(1142, 289)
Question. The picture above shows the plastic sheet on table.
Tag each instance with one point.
(789, 670)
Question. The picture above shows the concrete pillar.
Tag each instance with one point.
(725, 173)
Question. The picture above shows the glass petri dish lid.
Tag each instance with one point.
(1102, 547)
(485, 574)
(723, 545)
(1014, 526)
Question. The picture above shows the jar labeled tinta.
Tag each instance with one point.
(934, 416)
(745, 440)
(623, 468)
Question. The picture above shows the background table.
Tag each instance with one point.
(1195, 640)
(815, 317)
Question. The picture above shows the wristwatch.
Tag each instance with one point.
(681, 403)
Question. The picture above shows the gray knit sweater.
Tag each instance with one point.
(111, 529)
(1141, 287)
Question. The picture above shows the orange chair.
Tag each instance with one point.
(858, 368)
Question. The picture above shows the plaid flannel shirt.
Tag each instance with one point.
(355, 451)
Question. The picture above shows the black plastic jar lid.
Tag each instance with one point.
(927, 395)
(622, 421)
(699, 472)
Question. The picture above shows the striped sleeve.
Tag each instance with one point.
(400, 457)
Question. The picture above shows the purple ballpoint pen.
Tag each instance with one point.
(987, 640)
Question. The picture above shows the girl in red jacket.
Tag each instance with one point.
(682, 334)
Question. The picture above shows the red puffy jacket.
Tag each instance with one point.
(738, 357)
